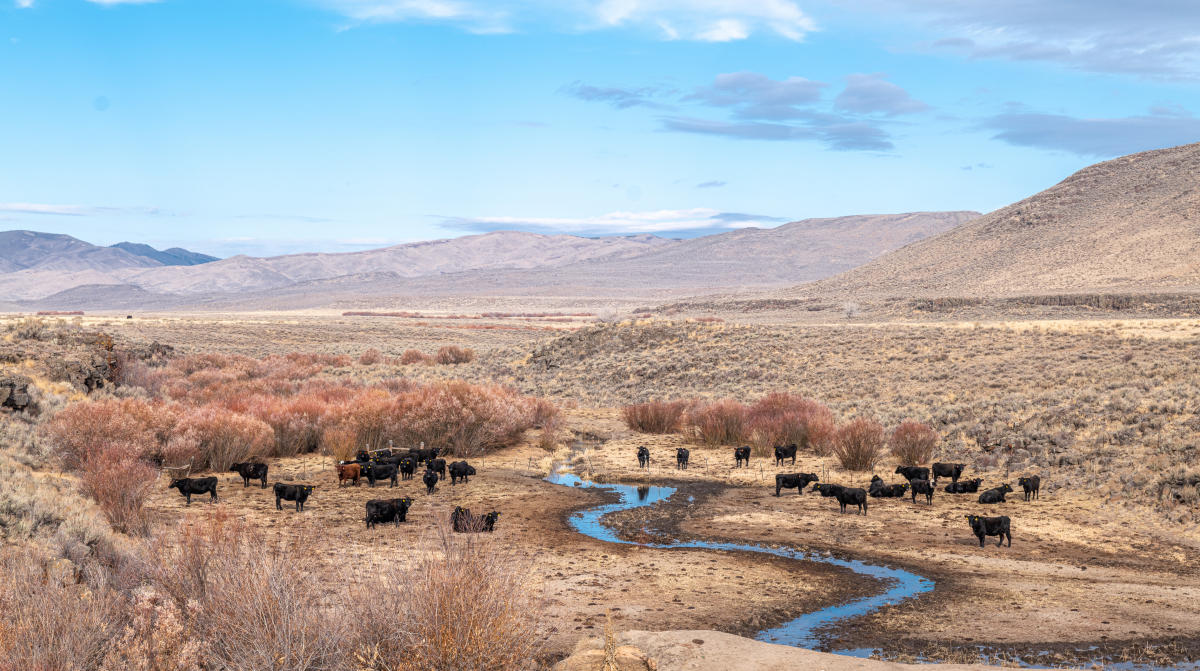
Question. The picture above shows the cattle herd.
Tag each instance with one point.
(918, 481)
(376, 467)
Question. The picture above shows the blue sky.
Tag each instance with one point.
(271, 126)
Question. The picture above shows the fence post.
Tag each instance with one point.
(760, 472)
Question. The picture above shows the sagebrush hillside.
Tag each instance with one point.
(1131, 224)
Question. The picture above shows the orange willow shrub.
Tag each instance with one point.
(452, 354)
(912, 443)
(786, 419)
(135, 426)
(718, 423)
(370, 357)
(859, 444)
(120, 482)
(216, 438)
(295, 422)
(655, 416)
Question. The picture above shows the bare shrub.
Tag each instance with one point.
(411, 356)
(295, 423)
(655, 416)
(51, 620)
(255, 603)
(912, 443)
(464, 418)
(371, 357)
(120, 483)
(859, 444)
(97, 426)
(473, 608)
(453, 354)
(718, 423)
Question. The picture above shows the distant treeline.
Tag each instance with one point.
(59, 313)
(483, 315)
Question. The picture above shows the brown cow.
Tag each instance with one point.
(349, 472)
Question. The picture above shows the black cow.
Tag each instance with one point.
(362, 456)
(996, 494)
(911, 473)
(741, 454)
(437, 466)
(464, 522)
(852, 496)
(783, 452)
(797, 480)
(681, 458)
(952, 471)
(380, 454)
(964, 487)
(827, 490)
(297, 493)
(379, 472)
(382, 511)
(884, 491)
(461, 469)
(643, 455)
(424, 456)
(408, 466)
(1031, 484)
(922, 487)
(991, 526)
(189, 486)
(250, 471)
(430, 479)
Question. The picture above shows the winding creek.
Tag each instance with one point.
(803, 631)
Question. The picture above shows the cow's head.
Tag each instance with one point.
(177, 482)
(233, 468)
(1006, 487)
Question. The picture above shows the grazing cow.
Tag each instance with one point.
(913, 472)
(461, 470)
(437, 466)
(408, 466)
(430, 479)
(382, 511)
(1031, 484)
(378, 472)
(250, 471)
(952, 471)
(297, 493)
(741, 454)
(681, 458)
(991, 526)
(964, 487)
(464, 522)
(922, 487)
(996, 494)
(189, 486)
(827, 490)
(884, 491)
(643, 455)
(783, 452)
(349, 471)
(852, 496)
(797, 480)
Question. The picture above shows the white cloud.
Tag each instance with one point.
(122, 2)
(617, 223)
(24, 4)
(705, 20)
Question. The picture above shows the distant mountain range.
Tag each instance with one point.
(58, 271)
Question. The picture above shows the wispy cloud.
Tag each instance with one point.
(714, 184)
(686, 221)
(621, 98)
(873, 94)
(1151, 38)
(756, 96)
(80, 210)
(1094, 137)
(699, 20)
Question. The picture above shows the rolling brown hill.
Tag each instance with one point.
(1131, 224)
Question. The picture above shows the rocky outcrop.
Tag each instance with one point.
(14, 392)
